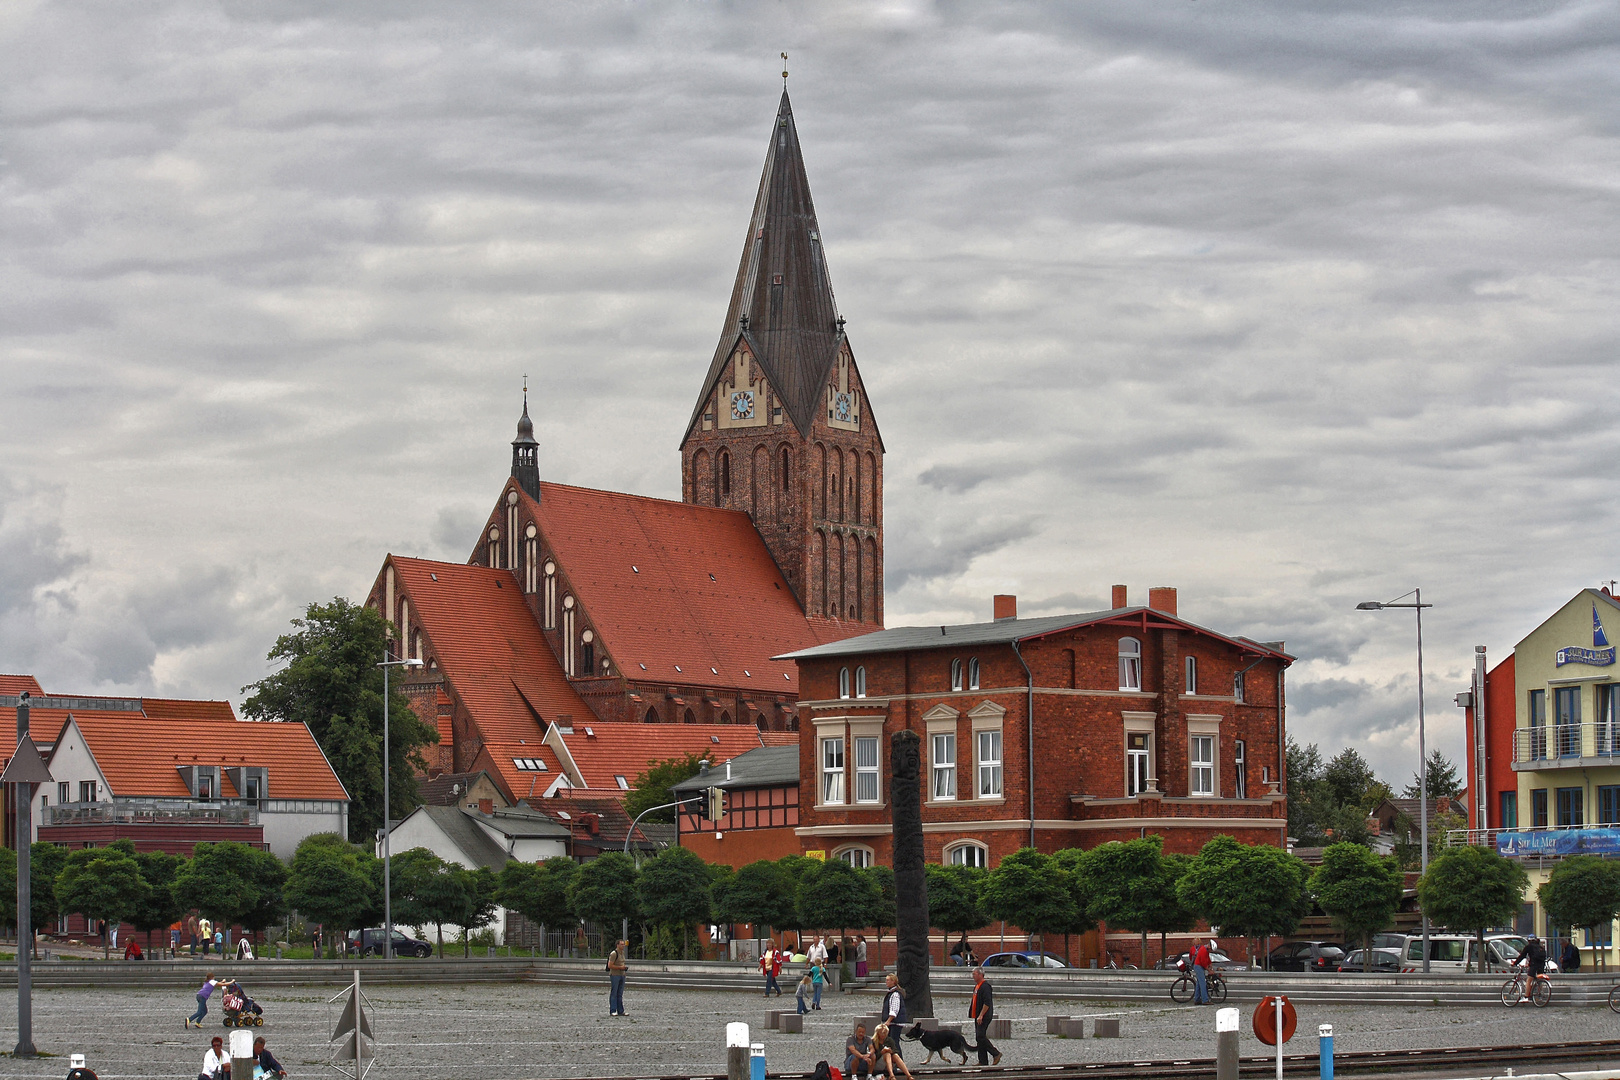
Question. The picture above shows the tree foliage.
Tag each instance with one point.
(758, 893)
(233, 883)
(332, 882)
(1030, 891)
(478, 902)
(1330, 801)
(539, 891)
(673, 891)
(331, 682)
(160, 907)
(1246, 891)
(102, 884)
(426, 889)
(652, 787)
(1131, 885)
(835, 894)
(1472, 888)
(953, 900)
(1358, 890)
(604, 892)
(1582, 891)
(45, 862)
(1445, 781)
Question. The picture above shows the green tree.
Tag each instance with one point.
(835, 894)
(269, 877)
(233, 884)
(1471, 888)
(884, 911)
(1130, 885)
(45, 865)
(953, 902)
(539, 891)
(1582, 891)
(1445, 782)
(1359, 891)
(478, 906)
(425, 889)
(757, 894)
(795, 870)
(102, 883)
(673, 890)
(160, 908)
(332, 883)
(1330, 801)
(1246, 891)
(604, 892)
(331, 682)
(1032, 892)
(652, 787)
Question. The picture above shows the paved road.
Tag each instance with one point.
(514, 1032)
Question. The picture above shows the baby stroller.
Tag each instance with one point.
(240, 1010)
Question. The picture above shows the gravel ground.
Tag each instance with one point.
(512, 1032)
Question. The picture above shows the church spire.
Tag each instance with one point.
(782, 301)
(525, 451)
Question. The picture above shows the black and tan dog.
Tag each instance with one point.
(941, 1043)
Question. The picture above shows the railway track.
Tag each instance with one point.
(1457, 1061)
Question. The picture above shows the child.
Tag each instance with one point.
(802, 993)
(818, 975)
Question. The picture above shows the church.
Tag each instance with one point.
(582, 608)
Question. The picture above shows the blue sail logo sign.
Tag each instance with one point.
(1601, 654)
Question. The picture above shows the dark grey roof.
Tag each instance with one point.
(520, 823)
(477, 845)
(767, 766)
(783, 287)
(1000, 632)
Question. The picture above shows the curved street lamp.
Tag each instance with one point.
(1417, 605)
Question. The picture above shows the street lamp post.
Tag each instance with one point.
(1417, 605)
(388, 833)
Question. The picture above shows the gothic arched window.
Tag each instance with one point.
(551, 595)
(725, 475)
(787, 470)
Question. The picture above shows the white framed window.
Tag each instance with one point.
(531, 554)
(1130, 664)
(989, 764)
(1201, 765)
(866, 769)
(568, 636)
(1138, 759)
(1237, 687)
(494, 547)
(1240, 769)
(832, 770)
(551, 595)
(87, 789)
(973, 673)
(1192, 675)
(860, 682)
(843, 682)
(622, 781)
(944, 766)
(967, 853)
(956, 674)
(858, 857)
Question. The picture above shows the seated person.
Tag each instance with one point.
(267, 1063)
(216, 1063)
(132, 950)
(858, 1053)
(886, 1055)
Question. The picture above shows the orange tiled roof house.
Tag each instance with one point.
(579, 606)
(171, 774)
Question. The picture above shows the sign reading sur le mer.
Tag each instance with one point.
(1601, 654)
(1598, 841)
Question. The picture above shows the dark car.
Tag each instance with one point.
(369, 942)
(1023, 960)
(1306, 956)
(1386, 960)
(1216, 957)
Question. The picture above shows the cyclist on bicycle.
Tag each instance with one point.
(1535, 963)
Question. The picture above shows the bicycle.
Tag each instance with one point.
(1540, 991)
(1182, 990)
(1614, 998)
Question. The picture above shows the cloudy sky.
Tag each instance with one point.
(1287, 305)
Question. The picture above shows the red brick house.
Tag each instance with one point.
(1143, 723)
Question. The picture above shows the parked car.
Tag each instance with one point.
(1306, 956)
(1216, 956)
(1460, 952)
(1023, 960)
(369, 942)
(1384, 960)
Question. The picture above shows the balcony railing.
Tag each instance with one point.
(178, 812)
(1566, 742)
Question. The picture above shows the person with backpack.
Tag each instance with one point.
(616, 968)
(1571, 958)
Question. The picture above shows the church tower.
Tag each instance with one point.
(782, 428)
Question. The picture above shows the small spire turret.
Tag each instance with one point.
(525, 451)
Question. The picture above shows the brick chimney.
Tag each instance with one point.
(1119, 597)
(486, 806)
(1162, 598)
(1004, 607)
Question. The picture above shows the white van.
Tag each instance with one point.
(1460, 952)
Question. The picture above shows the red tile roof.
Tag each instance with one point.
(603, 752)
(779, 738)
(174, 709)
(673, 585)
(485, 640)
(141, 756)
(16, 684)
(609, 806)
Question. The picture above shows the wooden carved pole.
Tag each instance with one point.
(910, 884)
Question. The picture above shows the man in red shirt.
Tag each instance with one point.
(1201, 962)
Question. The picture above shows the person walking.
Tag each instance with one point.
(982, 1010)
(1571, 958)
(616, 968)
(204, 992)
(1201, 961)
(818, 976)
(801, 994)
(860, 956)
(770, 964)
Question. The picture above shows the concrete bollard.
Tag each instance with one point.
(756, 1062)
(929, 1023)
(1106, 1028)
(1071, 1029)
(1226, 1044)
(1054, 1024)
(1324, 1036)
(736, 1051)
(242, 1060)
(1000, 1029)
(790, 1023)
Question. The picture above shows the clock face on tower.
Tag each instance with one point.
(742, 405)
(843, 406)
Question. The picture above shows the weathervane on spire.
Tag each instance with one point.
(525, 393)
(784, 72)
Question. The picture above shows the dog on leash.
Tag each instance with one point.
(941, 1042)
